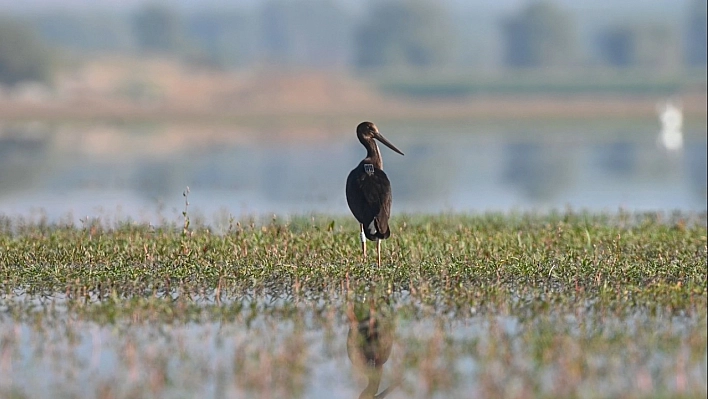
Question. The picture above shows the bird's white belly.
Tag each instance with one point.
(372, 227)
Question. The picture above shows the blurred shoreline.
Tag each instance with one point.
(125, 89)
(534, 107)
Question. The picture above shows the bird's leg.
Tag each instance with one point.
(378, 250)
(362, 237)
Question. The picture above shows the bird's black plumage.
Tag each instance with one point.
(369, 199)
(368, 188)
(369, 344)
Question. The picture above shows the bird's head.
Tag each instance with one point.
(367, 131)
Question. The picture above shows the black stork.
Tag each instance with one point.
(369, 190)
(369, 344)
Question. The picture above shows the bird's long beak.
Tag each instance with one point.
(387, 143)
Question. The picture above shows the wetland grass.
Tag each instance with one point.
(494, 305)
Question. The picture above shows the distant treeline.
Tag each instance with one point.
(390, 35)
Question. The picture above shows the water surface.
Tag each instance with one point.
(141, 171)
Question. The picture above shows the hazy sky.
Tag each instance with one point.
(489, 4)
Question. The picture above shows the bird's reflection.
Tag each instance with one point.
(369, 342)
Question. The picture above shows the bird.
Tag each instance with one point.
(671, 118)
(369, 344)
(368, 189)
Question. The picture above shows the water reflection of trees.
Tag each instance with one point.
(425, 175)
(307, 174)
(37, 159)
(155, 179)
(539, 170)
(24, 152)
(617, 158)
(696, 159)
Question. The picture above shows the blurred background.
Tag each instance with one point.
(112, 108)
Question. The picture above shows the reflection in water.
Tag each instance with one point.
(427, 179)
(540, 171)
(92, 170)
(695, 164)
(369, 343)
(618, 158)
(22, 157)
(671, 118)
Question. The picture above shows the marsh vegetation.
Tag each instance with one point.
(490, 305)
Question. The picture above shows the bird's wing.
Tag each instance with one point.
(369, 198)
(356, 199)
(377, 191)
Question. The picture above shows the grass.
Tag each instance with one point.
(497, 305)
(463, 263)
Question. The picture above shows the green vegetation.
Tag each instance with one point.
(158, 29)
(520, 305)
(493, 262)
(404, 34)
(542, 34)
(394, 34)
(23, 55)
(696, 28)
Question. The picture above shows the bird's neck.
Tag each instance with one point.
(373, 156)
(372, 387)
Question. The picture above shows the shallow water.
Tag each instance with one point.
(305, 355)
(141, 171)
